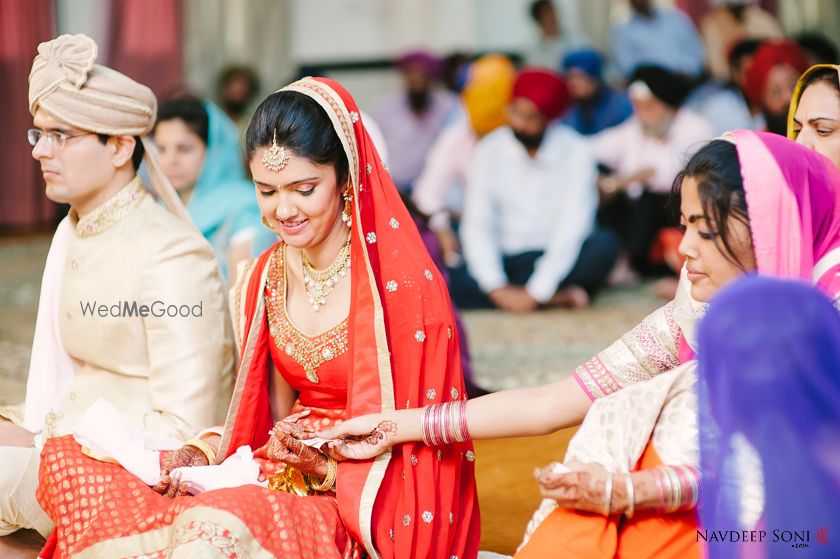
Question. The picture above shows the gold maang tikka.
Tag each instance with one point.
(275, 158)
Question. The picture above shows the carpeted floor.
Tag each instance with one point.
(508, 351)
(507, 492)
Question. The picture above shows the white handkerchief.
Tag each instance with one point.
(559, 468)
(107, 435)
(316, 442)
(238, 469)
(104, 432)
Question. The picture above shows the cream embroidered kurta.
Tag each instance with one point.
(168, 375)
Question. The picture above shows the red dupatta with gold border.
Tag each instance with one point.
(416, 501)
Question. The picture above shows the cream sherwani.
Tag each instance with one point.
(167, 374)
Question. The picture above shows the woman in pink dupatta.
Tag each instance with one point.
(643, 421)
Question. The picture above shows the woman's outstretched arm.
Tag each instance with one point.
(521, 412)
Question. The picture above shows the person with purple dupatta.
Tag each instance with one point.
(777, 343)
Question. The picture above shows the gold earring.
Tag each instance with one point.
(267, 224)
(275, 158)
(347, 212)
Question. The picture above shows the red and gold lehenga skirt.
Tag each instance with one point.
(101, 510)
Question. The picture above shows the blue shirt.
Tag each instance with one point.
(612, 107)
(668, 39)
(723, 107)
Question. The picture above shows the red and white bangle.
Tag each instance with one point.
(679, 487)
(444, 423)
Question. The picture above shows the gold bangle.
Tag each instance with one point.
(204, 448)
(329, 479)
(211, 431)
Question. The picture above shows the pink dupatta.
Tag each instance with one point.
(793, 198)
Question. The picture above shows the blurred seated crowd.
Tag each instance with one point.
(539, 177)
(547, 177)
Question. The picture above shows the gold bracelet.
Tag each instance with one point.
(211, 431)
(329, 480)
(204, 448)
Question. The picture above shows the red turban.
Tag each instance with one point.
(546, 89)
(766, 57)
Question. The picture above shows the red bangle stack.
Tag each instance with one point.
(445, 423)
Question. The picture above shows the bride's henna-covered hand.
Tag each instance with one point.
(360, 438)
(184, 457)
(290, 426)
(285, 448)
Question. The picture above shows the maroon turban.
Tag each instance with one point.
(766, 57)
(546, 89)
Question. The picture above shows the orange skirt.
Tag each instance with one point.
(102, 510)
(578, 535)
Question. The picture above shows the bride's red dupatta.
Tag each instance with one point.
(417, 501)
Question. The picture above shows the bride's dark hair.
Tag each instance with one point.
(303, 128)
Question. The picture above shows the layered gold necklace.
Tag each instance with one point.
(320, 283)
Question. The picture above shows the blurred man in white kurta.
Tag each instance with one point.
(642, 156)
(132, 304)
(528, 229)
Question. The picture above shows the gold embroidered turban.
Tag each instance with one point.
(66, 83)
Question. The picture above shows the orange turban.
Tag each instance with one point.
(487, 92)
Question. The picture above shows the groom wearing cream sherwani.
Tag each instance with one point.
(132, 304)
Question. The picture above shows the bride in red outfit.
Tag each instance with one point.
(346, 316)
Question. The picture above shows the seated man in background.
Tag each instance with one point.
(596, 105)
(729, 21)
(412, 118)
(528, 228)
(439, 192)
(657, 36)
(643, 155)
(557, 33)
(769, 80)
(132, 306)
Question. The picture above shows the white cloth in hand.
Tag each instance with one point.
(238, 469)
(107, 436)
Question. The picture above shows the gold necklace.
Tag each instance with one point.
(319, 283)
